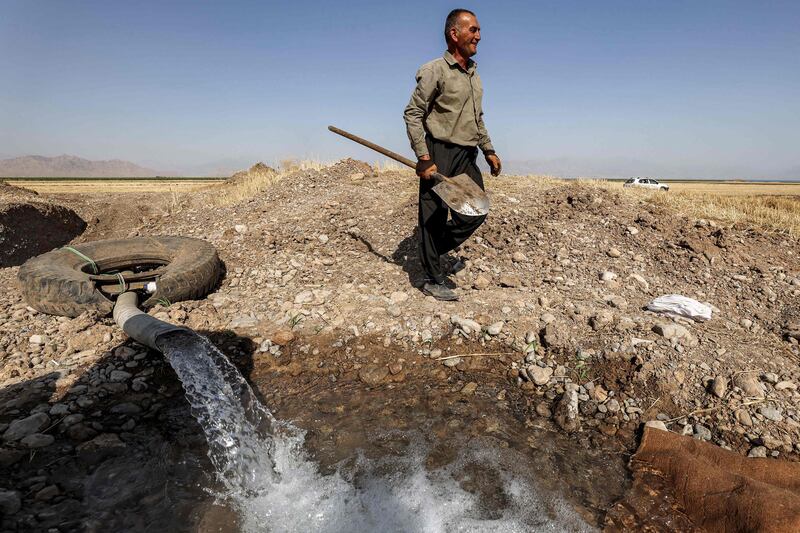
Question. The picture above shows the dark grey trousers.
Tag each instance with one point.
(438, 235)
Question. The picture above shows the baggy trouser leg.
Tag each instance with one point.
(432, 224)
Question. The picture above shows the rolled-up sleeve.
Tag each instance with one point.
(417, 108)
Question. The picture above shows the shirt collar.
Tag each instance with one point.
(452, 62)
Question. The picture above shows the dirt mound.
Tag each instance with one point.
(259, 170)
(30, 229)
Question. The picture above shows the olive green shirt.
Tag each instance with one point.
(447, 105)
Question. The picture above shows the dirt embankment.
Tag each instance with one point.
(30, 226)
(552, 306)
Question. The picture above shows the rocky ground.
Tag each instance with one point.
(322, 289)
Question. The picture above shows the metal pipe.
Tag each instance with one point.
(140, 326)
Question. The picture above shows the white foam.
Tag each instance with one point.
(269, 479)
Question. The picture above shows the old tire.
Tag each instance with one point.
(58, 283)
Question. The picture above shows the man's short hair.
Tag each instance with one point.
(452, 19)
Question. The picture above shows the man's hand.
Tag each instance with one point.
(425, 167)
(494, 163)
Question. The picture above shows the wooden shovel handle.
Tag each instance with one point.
(388, 153)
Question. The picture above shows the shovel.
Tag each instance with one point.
(460, 193)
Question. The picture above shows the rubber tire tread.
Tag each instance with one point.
(55, 283)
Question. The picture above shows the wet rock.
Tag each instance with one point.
(118, 376)
(373, 374)
(37, 440)
(566, 412)
(8, 456)
(10, 502)
(47, 493)
(101, 448)
(749, 385)
(80, 432)
(126, 408)
(719, 386)
(23, 427)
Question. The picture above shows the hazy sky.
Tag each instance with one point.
(180, 85)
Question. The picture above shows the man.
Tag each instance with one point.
(444, 120)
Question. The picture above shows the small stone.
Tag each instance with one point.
(771, 413)
(282, 337)
(373, 374)
(612, 405)
(633, 230)
(640, 280)
(465, 324)
(543, 410)
(118, 376)
(518, 257)
(757, 451)
(59, 409)
(613, 252)
(749, 385)
(469, 389)
(26, 426)
(671, 331)
(608, 276)
(743, 417)
(394, 311)
(539, 375)
(546, 318)
(481, 282)
(37, 440)
(48, 493)
(495, 329)
(395, 368)
(701, 432)
(240, 228)
(453, 361)
(398, 297)
(100, 448)
(784, 385)
(657, 424)
(509, 280)
(37, 340)
(598, 394)
(126, 408)
(770, 377)
(10, 502)
(304, 297)
(566, 412)
(323, 238)
(719, 386)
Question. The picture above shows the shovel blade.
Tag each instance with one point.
(462, 195)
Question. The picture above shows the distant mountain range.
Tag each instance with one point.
(69, 166)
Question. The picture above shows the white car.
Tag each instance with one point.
(647, 183)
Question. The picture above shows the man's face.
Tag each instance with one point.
(466, 35)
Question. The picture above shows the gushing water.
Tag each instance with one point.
(274, 486)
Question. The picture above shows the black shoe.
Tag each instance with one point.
(439, 291)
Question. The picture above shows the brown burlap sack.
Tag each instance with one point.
(718, 490)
